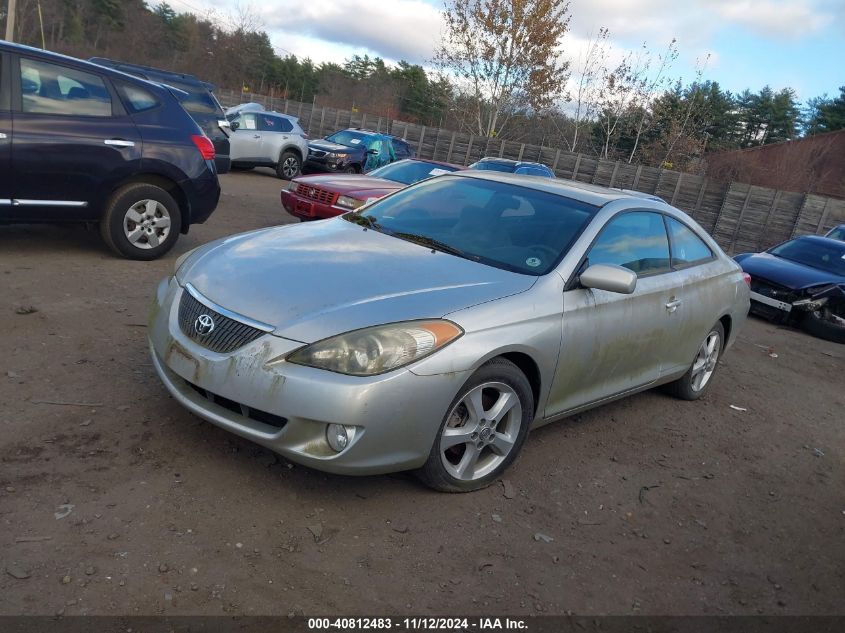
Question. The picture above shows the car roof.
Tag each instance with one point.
(58, 57)
(581, 191)
(165, 75)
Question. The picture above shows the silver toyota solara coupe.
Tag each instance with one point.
(433, 328)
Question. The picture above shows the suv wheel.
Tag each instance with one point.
(141, 221)
(289, 166)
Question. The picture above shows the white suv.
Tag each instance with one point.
(266, 139)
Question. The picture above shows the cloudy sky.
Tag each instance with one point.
(751, 43)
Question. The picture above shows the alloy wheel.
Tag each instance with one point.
(705, 361)
(290, 167)
(480, 431)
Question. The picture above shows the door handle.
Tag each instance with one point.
(673, 305)
(117, 142)
(256, 136)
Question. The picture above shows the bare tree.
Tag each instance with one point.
(504, 53)
(645, 91)
(589, 70)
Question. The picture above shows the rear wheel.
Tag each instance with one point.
(141, 221)
(483, 431)
(695, 383)
(289, 166)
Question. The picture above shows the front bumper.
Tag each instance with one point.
(314, 163)
(396, 415)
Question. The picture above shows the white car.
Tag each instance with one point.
(266, 139)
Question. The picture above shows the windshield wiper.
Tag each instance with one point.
(367, 221)
(437, 245)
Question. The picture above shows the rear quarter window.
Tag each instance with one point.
(137, 99)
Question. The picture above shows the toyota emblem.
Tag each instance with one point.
(204, 325)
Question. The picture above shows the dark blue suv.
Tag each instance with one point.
(84, 143)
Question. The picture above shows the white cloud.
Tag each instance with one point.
(785, 18)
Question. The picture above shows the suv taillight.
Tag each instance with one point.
(747, 278)
(204, 145)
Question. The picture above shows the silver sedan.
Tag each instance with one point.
(435, 327)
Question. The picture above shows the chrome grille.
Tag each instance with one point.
(315, 193)
(227, 334)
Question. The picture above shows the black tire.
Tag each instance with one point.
(816, 324)
(352, 169)
(115, 222)
(289, 166)
(684, 388)
(499, 370)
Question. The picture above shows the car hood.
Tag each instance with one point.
(328, 146)
(318, 279)
(362, 187)
(787, 273)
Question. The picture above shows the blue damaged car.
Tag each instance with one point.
(801, 282)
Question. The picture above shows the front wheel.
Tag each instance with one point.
(141, 221)
(483, 431)
(695, 383)
(825, 324)
(289, 166)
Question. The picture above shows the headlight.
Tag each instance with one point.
(181, 260)
(375, 350)
(292, 185)
(334, 156)
(349, 203)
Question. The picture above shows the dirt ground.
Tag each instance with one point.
(650, 505)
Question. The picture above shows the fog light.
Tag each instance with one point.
(337, 437)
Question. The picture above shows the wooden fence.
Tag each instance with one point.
(740, 217)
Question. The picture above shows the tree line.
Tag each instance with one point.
(498, 71)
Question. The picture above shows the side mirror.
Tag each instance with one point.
(610, 278)
(234, 125)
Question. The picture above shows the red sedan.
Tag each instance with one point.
(321, 196)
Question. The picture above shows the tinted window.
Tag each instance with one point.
(687, 247)
(268, 123)
(827, 257)
(410, 171)
(491, 166)
(837, 234)
(636, 241)
(198, 100)
(349, 138)
(51, 89)
(137, 99)
(533, 171)
(401, 149)
(499, 224)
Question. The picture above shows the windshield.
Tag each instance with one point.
(499, 224)
(349, 138)
(410, 171)
(491, 166)
(827, 257)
